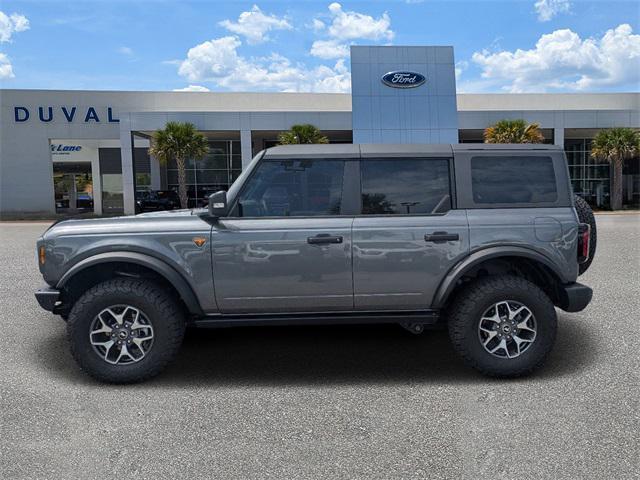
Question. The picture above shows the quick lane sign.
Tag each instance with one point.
(69, 114)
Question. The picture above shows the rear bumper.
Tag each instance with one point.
(574, 297)
(47, 298)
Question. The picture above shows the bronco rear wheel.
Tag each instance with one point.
(125, 330)
(503, 326)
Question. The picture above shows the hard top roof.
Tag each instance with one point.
(349, 150)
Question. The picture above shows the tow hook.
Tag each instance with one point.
(415, 328)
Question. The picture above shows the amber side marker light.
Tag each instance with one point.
(42, 254)
(199, 241)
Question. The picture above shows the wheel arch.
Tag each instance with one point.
(171, 277)
(452, 280)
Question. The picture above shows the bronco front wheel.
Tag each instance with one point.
(125, 330)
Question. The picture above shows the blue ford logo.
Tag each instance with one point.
(403, 79)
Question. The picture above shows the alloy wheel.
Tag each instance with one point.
(507, 329)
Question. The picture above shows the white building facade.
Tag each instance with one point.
(70, 152)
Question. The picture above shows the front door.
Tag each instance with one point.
(286, 247)
(407, 237)
(73, 187)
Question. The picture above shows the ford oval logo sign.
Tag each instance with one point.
(403, 79)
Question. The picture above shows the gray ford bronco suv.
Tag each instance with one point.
(486, 239)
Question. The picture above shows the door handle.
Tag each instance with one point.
(441, 237)
(324, 238)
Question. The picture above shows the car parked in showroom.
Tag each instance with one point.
(486, 239)
(156, 200)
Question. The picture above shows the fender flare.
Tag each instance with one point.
(159, 266)
(448, 283)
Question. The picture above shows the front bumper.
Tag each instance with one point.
(574, 297)
(47, 298)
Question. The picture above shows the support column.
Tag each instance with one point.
(96, 180)
(245, 146)
(558, 136)
(126, 155)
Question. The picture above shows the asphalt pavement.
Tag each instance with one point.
(327, 402)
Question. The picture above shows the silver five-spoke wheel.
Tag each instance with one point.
(507, 329)
(121, 334)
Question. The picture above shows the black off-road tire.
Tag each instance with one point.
(159, 306)
(585, 215)
(472, 302)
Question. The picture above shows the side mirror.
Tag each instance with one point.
(218, 204)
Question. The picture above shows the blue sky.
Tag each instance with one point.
(500, 46)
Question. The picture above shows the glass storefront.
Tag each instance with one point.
(590, 178)
(73, 187)
(111, 181)
(216, 171)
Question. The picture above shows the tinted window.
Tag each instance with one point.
(405, 186)
(513, 180)
(293, 188)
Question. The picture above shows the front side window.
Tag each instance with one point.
(517, 179)
(293, 188)
(405, 186)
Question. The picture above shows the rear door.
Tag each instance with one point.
(407, 236)
(287, 245)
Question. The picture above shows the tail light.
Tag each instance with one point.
(584, 238)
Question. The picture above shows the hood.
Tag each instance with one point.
(165, 221)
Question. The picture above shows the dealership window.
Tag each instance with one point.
(73, 187)
(73, 175)
(111, 180)
(589, 177)
(142, 163)
(293, 188)
(518, 179)
(217, 171)
(405, 186)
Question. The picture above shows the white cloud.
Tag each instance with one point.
(192, 88)
(218, 61)
(460, 67)
(10, 24)
(211, 59)
(547, 9)
(329, 49)
(561, 60)
(346, 26)
(254, 25)
(126, 51)
(354, 25)
(6, 70)
(317, 25)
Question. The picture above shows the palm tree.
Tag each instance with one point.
(513, 131)
(304, 133)
(615, 146)
(180, 142)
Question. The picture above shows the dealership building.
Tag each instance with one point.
(71, 152)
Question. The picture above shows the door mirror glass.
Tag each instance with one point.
(218, 204)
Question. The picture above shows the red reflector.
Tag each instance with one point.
(584, 238)
(585, 243)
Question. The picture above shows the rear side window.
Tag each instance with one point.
(405, 186)
(517, 179)
(293, 188)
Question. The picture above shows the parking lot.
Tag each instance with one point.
(327, 402)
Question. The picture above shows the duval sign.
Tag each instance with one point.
(65, 113)
(402, 79)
